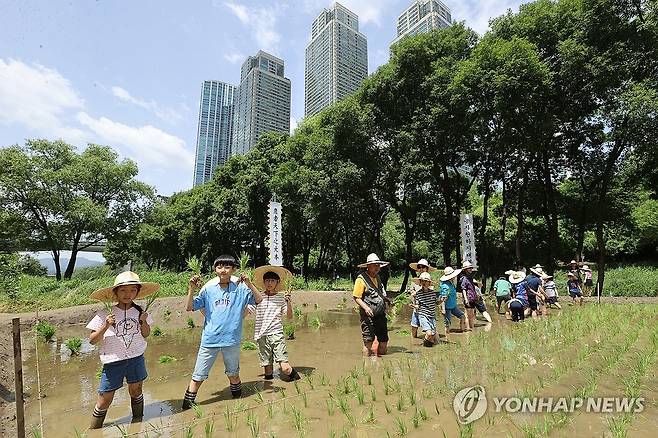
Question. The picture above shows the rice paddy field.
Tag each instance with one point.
(606, 350)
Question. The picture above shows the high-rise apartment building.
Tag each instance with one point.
(422, 16)
(213, 140)
(262, 101)
(336, 58)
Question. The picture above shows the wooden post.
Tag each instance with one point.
(18, 378)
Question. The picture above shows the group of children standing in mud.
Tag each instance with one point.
(122, 329)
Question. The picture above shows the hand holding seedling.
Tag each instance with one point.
(142, 317)
(195, 282)
(110, 320)
(244, 278)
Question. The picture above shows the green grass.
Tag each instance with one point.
(166, 359)
(248, 345)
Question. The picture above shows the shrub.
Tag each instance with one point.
(74, 345)
(45, 330)
(248, 345)
(30, 266)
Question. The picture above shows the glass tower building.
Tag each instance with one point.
(213, 140)
(262, 101)
(336, 59)
(422, 16)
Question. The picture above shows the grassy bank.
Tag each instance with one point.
(47, 293)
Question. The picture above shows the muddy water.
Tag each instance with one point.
(395, 391)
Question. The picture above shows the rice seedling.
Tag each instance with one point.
(388, 371)
(345, 433)
(415, 420)
(209, 428)
(230, 420)
(157, 331)
(310, 379)
(289, 330)
(297, 388)
(248, 346)
(373, 395)
(74, 345)
(45, 330)
(324, 381)
(189, 431)
(76, 433)
(305, 400)
(436, 409)
(252, 423)
(164, 359)
(298, 419)
(36, 433)
(359, 395)
(99, 372)
(297, 312)
(368, 378)
(166, 314)
(122, 430)
(282, 391)
(198, 411)
(316, 306)
(412, 399)
(315, 322)
(370, 417)
(387, 407)
(332, 433)
(194, 264)
(401, 426)
(423, 414)
(270, 411)
(400, 403)
(618, 426)
(466, 431)
(330, 407)
(387, 388)
(259, 395)
(350, 419)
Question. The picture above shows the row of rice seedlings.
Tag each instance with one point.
(299, 420)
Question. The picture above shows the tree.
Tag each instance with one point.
(70, 201)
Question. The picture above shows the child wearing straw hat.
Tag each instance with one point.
(448, 294)
(370, 295)
(573, 286)
(519, 303)
(550, 289)
(421, 266)
(121, 330)
(223, 304)
(425, 304)
(588, 283)
(268, 331)
(469, 294)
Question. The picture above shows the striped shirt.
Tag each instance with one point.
(426, 301)
(268, 315)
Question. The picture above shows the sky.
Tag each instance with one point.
(128, 74)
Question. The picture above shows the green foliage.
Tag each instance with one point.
(30, 266)
(45, 330)
(289, 330)
(9, 276)
(248, 345)
(190, 322)
(165, 359)
(74, 345)
(157, 331)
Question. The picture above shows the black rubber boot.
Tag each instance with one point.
(269, 376)
(137, 406)
(294, 375)
(188, 401)
(236, 389)
(97, 418)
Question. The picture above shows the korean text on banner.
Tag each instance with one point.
(468, 239)
(276, 240)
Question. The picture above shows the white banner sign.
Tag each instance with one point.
(468, 239)
(276, 240)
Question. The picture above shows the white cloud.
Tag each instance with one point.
(477, 13)
(234, 57)
(261, 21)
(169, 115)
(369, 11)
(293, 124)
(38, 98)
(148, 145)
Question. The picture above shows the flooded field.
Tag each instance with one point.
(601, 351)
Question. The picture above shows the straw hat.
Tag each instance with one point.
(449, 273)
(546, 277)
(125, 279)
(373, 259)
(467, 265)
(422, 262)
(425, 276)
(571, 274)
(282, 272)
(509, 272)
(573, 262)
(516, 277)
(586, 268)
(537, 269)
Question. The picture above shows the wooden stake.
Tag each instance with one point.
(18, 378)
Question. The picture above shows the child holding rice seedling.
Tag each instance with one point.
(573, 286)
(448, 294)
(519, 303)
(421, 266)
(425, 304)
(268, 331)
(223, 304)
(369, 293)
(550, 290)
(121, 331)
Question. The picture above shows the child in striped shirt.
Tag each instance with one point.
(425, 305)
(268, 331)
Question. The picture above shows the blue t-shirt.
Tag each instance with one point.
(502, 287)
(522, 292)
(534, 283)
(223, 309)
(448, 290)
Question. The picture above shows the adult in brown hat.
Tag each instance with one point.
(121, 331)
(370, 295)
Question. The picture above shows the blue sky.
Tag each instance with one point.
(128, 73)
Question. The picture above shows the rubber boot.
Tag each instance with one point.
(236, 389)
(97, 418)
(137, 406)
(294, 375)
(188, 400)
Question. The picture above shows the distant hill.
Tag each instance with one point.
(84, 260)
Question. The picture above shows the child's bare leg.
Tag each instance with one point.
(268, 371)
(414, 332)
(367, 348)
(136, 399)
(471, 318)
(100, 410)
(381, 348)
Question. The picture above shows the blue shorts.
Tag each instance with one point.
(427, 324)
(133, 370)
(454, 311)
(575, 293)
(414, 319)
(206, 358)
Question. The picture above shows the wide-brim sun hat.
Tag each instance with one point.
(467, 265)
(422, 262)
(546, 277)
(586, 268)
(516, 277)
(449, 273)
(537, 270)
(573, 262)
(373, 259)
(509, 272)
(571, 274)
(126, 278)
(425, 276)
(284, 276)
